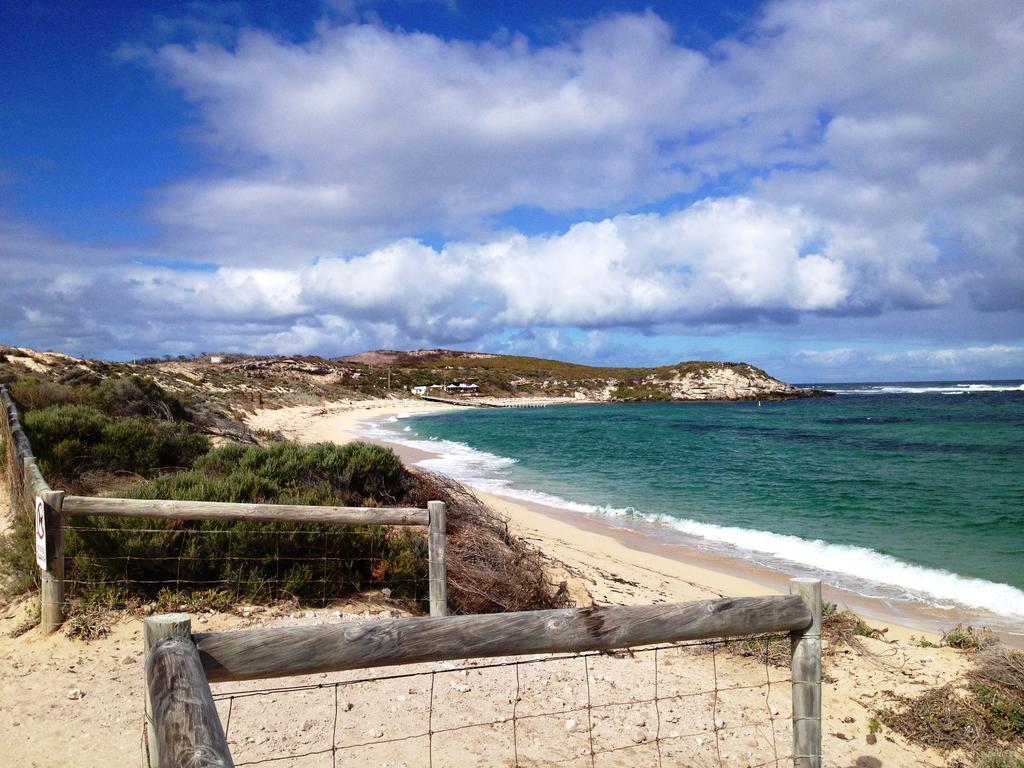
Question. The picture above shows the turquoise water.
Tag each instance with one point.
(921, 487)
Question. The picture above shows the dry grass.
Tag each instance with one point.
(838, 629)
(1000, 759)
(1002, 666)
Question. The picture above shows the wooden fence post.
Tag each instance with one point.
(51, 588)
(806, 667)
(26, 497)
(155, 629)
(437, 533)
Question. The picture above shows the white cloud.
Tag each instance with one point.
(868, 152)
(721, 261)
(892, 126)
(828, 357)
(363, 131)
(718, 259)
(933, 362)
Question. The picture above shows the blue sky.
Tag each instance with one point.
(830, 190)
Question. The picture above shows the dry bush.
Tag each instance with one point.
(88, 625)
(839, 628)
(28, 624)
(967, 638)
(1003, 666)
(489, 569)
(982, 714)
(945, 718)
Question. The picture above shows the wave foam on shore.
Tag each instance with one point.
(924, 389)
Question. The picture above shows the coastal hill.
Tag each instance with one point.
(515, 376)
(228, 381)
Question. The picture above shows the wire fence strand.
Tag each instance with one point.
(671, 704)
(108, 562)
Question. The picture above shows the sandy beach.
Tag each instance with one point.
(590, 542)
(571, 538)
(68, 702)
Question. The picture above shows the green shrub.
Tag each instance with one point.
(32, 394)
(323, 473)
(71, 439)
(649, 394)
(967, 638)
(257, 560)
(374, 471)
(243, 485)
(1005, 717)
(118, 397)
(18, 556)
(64, 437)
(138, 445)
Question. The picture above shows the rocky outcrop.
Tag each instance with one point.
(740, 382)
(709, 381)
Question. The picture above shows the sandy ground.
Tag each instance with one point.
(336, 422)
(67, 702)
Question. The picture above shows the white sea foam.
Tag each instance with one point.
(934, 586)
(925, 389)
(845, 564)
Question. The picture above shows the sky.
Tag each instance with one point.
(831, 190)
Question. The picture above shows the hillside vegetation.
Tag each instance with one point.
(221, 389)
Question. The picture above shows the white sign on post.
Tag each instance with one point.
(41, 533)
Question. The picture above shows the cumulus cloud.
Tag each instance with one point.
(721, 261)
(863, 156)
(892, 126)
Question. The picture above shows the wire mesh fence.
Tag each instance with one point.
(109, 559)
(698, 703)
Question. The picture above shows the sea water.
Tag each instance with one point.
(899, 491)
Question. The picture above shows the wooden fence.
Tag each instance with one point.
(30, 494)
(185, 728)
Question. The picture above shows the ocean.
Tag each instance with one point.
(900, 492)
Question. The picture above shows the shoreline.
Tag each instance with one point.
(557, 532)
(645, 566)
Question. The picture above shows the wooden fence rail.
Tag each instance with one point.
(307, 650)
(267, 513)
(264, 653)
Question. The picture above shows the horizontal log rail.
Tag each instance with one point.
(218, 510)
(284, 651)
(22, 447)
